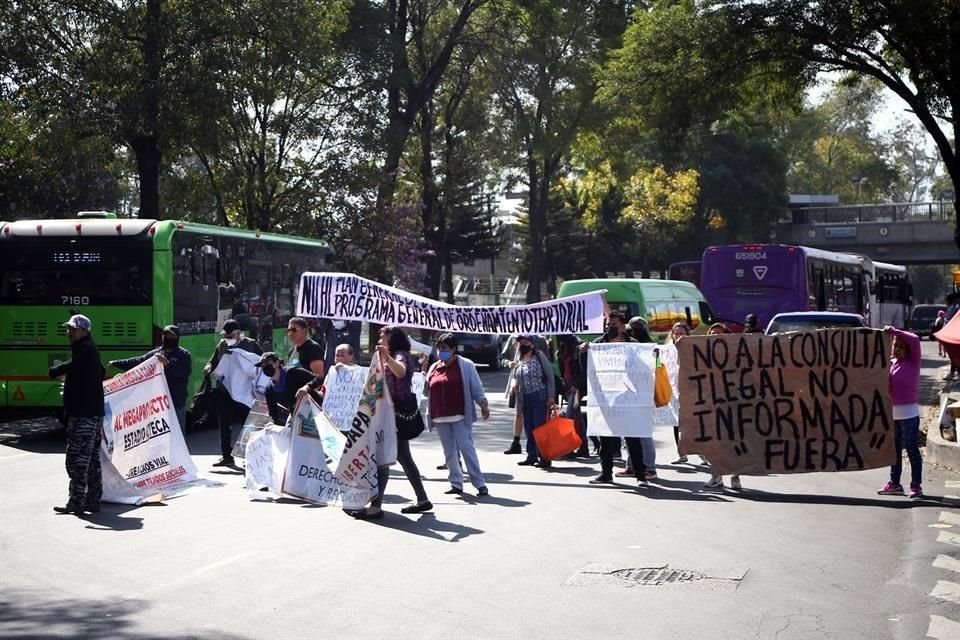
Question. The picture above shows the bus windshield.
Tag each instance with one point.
(79, 271)
(763, 280)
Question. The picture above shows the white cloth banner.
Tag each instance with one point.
(417, 385)
(236, 372)
(372, 438)
(342, 389)
(265, 460)
(143, 446)
(669, 414)
(620, 389)
(343, 296)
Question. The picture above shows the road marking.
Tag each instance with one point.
(946, 562)
(943, 628)
(949, 538)
(190, 576)
(939, 525)
(949, 518)
(18, 455)
(949, 591)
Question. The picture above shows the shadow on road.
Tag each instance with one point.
(896, 502)
(426, 525)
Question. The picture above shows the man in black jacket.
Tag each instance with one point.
(83, 407)
(282, 392)
(176, 369)
(229, 411)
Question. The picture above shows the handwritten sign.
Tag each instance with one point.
(342, 389)
(266, 458)
(345, 296)
(620, 389)
(791, 403)
(372, 436)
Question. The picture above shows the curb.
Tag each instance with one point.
(941, 452)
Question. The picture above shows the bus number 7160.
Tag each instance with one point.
(74, 300)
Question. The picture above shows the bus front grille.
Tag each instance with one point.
(28, 329)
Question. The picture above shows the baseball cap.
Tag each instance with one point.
(269, 355)
(527, 336)
(172, 328)
(230, 326)
(78, 321)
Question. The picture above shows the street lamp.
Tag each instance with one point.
(859, 182)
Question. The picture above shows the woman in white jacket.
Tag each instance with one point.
(454, 391)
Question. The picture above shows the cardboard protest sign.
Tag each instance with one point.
(315, 452)
(669, 414)
(342, 389)
(790, 403)
(344, 296)
(142, 438)
(372, 437)
(620, 389)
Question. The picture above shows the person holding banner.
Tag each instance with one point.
(454, 389)
(177, 366)
(679, 331)
(393, 349)
(285, 382)
(229, 411)
(716, 481)
(535, 391)
(905, 394)
(83, 408)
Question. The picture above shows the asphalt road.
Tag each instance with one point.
(546, 555)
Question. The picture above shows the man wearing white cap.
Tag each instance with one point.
(83, 407)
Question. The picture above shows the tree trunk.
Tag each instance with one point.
(448, 277)
(434, 231)
(535, 233)
(145, 141)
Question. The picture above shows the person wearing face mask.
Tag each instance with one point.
(177, 366)
(282, 393)
(229, 411)
(535, 389)
(340, 332)
(616, 332)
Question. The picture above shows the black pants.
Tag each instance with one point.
(608, 448)
(229, 413)
(405, 458)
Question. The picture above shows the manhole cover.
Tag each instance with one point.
(654, 577)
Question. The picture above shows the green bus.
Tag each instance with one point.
(132, 277)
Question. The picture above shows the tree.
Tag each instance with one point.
(550, 51)
(906, 45)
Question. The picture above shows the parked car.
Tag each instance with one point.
(813, 320)
(922, 318)
(482, 348)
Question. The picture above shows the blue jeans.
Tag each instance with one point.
(457, 440)
(649, 454)
(534, 415)
(907, 437)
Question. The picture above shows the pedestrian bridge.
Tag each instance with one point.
(909, 233)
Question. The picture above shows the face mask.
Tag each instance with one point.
(231, 342)
(268, 370)
(525, 349)
(339, 325)
(444, 355)
(170, 343)
(613, 332)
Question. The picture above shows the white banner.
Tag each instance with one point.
(344, 296)
(342, 389)
(372, 438)
(236, 372)
(669, 414)
(265, 460)
(142, 438)
(620, 389)
(417, 385)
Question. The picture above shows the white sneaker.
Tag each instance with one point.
(715, 484)
(735, 483)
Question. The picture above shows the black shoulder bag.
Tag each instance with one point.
(409, 419)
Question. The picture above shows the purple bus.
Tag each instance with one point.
(767, 279)
(687, 271)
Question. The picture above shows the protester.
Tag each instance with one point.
(285, 383)
(304, 352)
(574, 387)
(679, 331)
(640, 332)
(393, 349)
(937, 325)
(514, 447)
(83, 409)
(716, 481)
(340, 332)
(454, 391)
(904, 392)
(177, 366)
(229, 411)
(616, 331)
(751, 324)
(535, 389)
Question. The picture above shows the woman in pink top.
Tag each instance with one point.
(905, 394)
